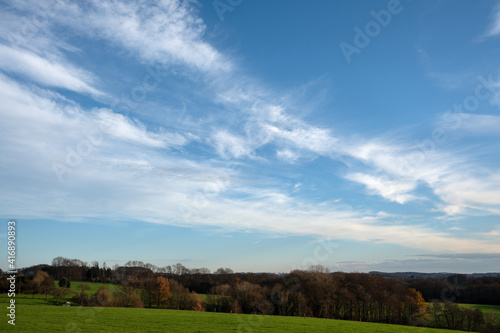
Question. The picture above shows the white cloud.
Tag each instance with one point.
(287, 155)
(229, 145)
(391, 168)
(120, 127)
(494, 28)
(478, 191)
(41, 70)
(43, 126)
(459, 263)
(332, 220)
(120, 180)
(307, 137)
(476, 124)
(390, 189)
(495, 233)
(167, 32)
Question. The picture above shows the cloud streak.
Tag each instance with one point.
(167, 32)
(49, 73)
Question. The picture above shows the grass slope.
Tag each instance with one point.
(487, 309)
(45, 318)
(94, 286)
(30, 299)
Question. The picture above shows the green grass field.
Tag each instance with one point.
(94, 286)
(46, 318)
(40, 299)
(487, 309)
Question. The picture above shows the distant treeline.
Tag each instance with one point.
(460, 288)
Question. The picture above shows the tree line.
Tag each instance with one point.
(460, 288)
(314, 293)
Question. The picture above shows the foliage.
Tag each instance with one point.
(43, 283)
(64, 282)
(162, 291)
(127, 297)
(452, 316)
(102, 297)
(61, 292)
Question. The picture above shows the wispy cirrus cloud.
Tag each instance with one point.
(57, 73)
(453, 177)
(392, 190)
(494, 28)
(472, 124)
(131, 186)
(167, 32)
(426, 263)
(471, 256)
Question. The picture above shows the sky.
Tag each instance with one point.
(263, 136)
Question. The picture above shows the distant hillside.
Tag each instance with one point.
(414, 275)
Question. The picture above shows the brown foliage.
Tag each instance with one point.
(43, 283)
(162, 291)
(127, 297)
(102, 297)
(181, 298)
(198, 304)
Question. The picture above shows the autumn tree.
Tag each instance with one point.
(251, 298)
(415, 307)
(161, 291)
(181, 298)
(127, 297)
(102, 297)
(44, 283)
(33, 286)
(281, 297)
(220, 298)
(197, 304)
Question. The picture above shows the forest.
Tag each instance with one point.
(315, 292)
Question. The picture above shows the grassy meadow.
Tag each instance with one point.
(94, 286)
(46, 318)
(487, 309)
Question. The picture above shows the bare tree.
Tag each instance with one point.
(61, 293)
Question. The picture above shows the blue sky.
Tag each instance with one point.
(255, 135)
